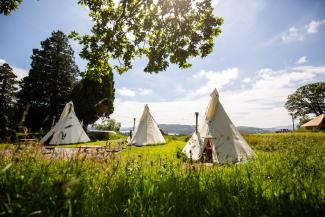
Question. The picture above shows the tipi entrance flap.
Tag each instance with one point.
(227, 143)
(194, 147)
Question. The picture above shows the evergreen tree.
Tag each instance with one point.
(94, 98)
(47, 87)
(8, 88)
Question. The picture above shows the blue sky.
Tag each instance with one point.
(267, 49)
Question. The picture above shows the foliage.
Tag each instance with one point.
(308, 99)
(97, 136)
(108, 124)
(94, 98)
(117, 136)
(7, 6)
(8, 89)
(47, 87)
(164, 31)
(151, 181)
(303, 120)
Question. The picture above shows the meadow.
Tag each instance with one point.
(285, 179)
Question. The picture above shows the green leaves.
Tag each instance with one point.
(7, 6)
(93, 98)
(307, 99)
(164, 31)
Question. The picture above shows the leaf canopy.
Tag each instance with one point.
(163, 31)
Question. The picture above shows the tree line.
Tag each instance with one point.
(54, 79)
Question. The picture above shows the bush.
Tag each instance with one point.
(94, 136)
(108, 124)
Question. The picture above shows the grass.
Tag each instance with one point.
(96, 143)
(286, 179)
(156, 152)
(93, 143)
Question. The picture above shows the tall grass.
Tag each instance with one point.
(286, 179)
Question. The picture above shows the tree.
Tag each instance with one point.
(308, 99)
(8, 88)
(108, 124)
(93, 98)
(7, 6)
(164, 31)
(303, 120)
(47, 87)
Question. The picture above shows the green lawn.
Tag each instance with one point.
(150, 153)
(286, 179)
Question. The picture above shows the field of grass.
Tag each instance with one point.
(286, 179)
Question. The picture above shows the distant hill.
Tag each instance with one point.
(189, 129)
(177, 129)
(251, 130)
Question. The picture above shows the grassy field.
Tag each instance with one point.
(286, 179)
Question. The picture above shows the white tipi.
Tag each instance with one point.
(67, 130)
(218, 137)
(147, 132)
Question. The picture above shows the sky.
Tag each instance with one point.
(267, 49)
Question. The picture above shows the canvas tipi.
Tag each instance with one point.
(67, 130)
(218, 137)
(147, 132)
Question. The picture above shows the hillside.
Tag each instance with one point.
(189, 129)
(177, 129)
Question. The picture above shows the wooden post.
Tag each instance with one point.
(196, 121)
(133, 123)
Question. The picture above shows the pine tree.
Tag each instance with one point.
(8, 88)
(47, 87)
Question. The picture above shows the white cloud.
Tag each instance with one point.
(302, 60)
(314, 25)
(246, 80)
(296, 34)
(293, 34)
(126, 92)
(132, 93)
(144, 91)
(180, 89)
(214, 80)
(311, 69)
(271, 80)
(259, 105)
(19, 72)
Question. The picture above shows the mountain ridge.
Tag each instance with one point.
(183, 129)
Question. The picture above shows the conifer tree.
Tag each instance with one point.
(47, 87)
(8, 88)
